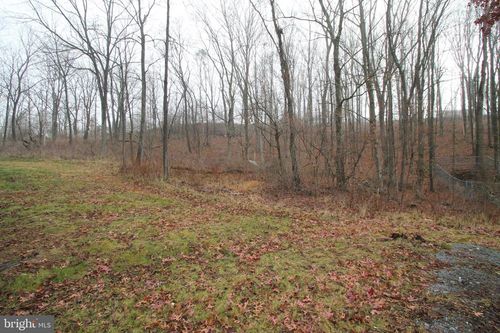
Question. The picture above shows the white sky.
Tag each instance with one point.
(183, 20)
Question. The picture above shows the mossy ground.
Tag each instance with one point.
(105, 253)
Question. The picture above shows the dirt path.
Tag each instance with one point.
(468, 286)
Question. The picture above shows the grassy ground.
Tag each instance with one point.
(106, 253)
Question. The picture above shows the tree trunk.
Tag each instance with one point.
(494, 110)
(430, 119)
(285, 74)
(463, 105)
(479, 108)
(6, 124)
(369, 76)
(165, 99)
(68, 112)
(142, 125)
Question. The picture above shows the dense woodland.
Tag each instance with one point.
(317, 97)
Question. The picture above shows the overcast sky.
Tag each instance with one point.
(184, 20)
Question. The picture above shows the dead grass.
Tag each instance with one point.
(214, 158)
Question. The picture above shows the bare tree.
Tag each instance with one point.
(86, 37)
(140, 16)
(165, 98)
(246, 37)
(287, 84)
(335, 34)
(17, 84)
(493, 45)
(369, 78)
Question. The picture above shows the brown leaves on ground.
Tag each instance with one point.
(154, 256)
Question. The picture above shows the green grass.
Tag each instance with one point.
(29, 282)
(104, 247)
(17, 179)
(115, 256)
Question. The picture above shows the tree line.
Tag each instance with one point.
(315, 92)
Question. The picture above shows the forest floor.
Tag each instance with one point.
(105, 252)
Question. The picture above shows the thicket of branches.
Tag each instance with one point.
(343, 89)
